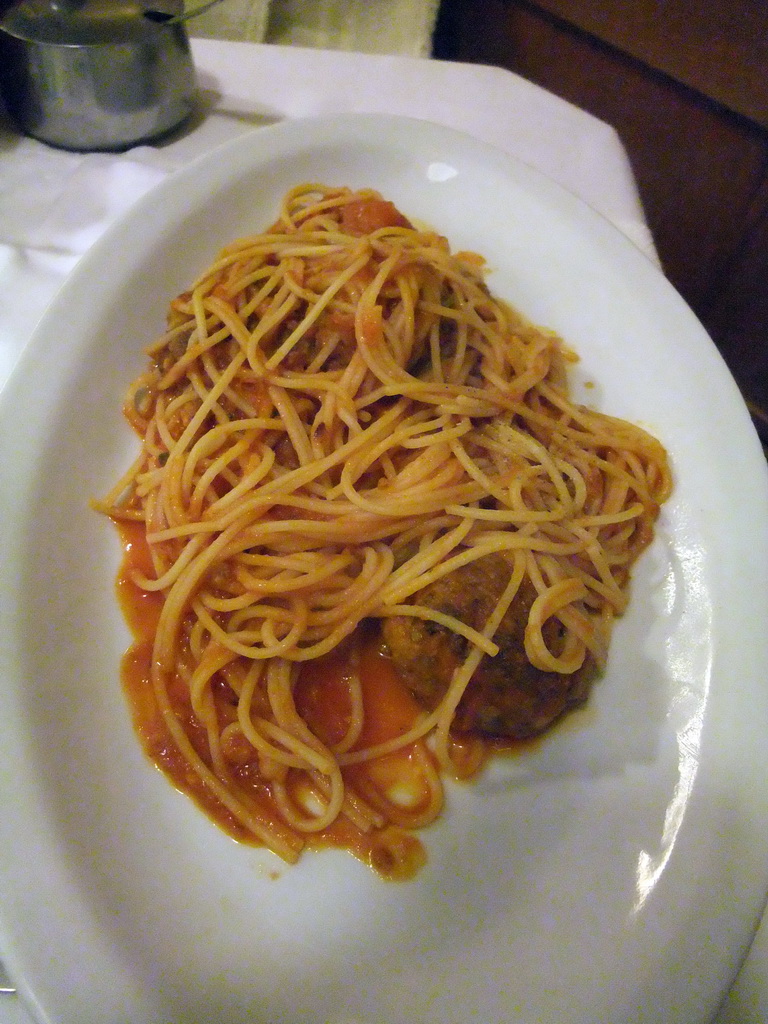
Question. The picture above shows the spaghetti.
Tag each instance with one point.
(339, 416)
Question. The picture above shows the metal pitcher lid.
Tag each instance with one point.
(87, 22)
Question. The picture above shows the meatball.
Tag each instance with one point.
(507, 697)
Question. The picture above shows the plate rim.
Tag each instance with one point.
(260, 139)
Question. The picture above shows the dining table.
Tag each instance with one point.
(55, 204)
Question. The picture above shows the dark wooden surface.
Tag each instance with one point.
(719, 49)
(701, 164)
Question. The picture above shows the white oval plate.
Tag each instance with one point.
(614, 874)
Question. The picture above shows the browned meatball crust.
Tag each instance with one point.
(507, 696)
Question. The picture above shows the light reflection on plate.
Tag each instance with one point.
(612, 873)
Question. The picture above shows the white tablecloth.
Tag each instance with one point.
(53, 205)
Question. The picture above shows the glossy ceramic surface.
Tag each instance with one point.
(613, 873)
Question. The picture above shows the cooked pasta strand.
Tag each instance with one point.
(339, 417)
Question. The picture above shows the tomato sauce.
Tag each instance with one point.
(321, 697)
